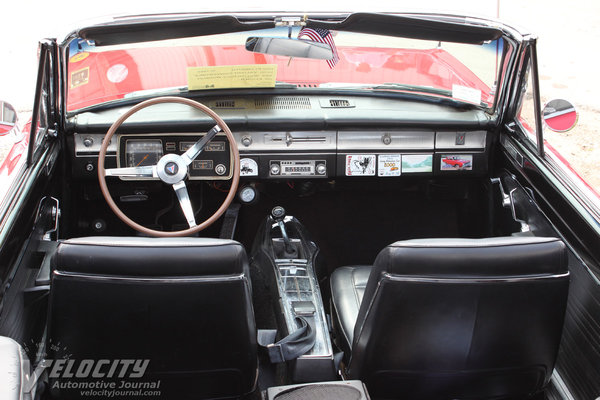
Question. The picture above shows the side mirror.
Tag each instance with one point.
(9, 127)
(560, 115)
(289, 47)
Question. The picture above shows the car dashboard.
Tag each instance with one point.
(291, 139)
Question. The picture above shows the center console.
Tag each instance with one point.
(286, 254)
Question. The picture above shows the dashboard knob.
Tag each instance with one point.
(321, 169)
(246, 140)
(275, 169)
(88, 141)
(220, 169)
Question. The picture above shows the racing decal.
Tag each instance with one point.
(389, 165)
(79, 57)
(456, 162)
(80, 77)
(412, 163)
(360, 165)
(117, 73)
(248, 167)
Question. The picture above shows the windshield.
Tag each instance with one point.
(359, 62)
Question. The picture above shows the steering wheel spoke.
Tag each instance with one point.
(148, 171)
(190, 155)
(185, 203)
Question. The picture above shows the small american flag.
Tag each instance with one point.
(322, 36)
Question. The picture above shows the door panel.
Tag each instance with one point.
(579, 354)
(21, 254)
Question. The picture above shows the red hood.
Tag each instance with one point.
(109, 75)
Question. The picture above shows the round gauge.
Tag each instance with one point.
(247, 194)
(140, 152)
(248, 167)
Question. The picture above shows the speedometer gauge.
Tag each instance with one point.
(141, 152)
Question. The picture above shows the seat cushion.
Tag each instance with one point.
(347, 290)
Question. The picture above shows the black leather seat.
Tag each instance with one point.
(183, 304)
(453, 318)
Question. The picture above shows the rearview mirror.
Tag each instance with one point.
(560, 115)
(289, 47)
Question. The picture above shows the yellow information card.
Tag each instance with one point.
(232, 76)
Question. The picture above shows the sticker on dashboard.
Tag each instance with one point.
(231, 76)
(389, 165)
(360, 165)
(413, 163)
(456, 162)
(465, 93)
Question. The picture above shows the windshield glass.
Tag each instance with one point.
(360, 62)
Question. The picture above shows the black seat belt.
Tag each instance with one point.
(290, 347)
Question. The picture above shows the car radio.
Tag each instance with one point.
(297, 168)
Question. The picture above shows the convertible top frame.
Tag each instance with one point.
(411, 26)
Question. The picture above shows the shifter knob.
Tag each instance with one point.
(278, 213)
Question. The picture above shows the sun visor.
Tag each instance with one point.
(411, 27)
(147, 30)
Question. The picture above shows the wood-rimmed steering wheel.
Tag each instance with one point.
(171, 168)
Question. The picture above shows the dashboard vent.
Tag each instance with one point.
(283, 103)
(224, 104)
(336, 103)
(339, 103)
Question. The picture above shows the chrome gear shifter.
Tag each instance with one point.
(278, 215)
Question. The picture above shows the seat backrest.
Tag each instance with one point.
(183, 304)
(461, 318)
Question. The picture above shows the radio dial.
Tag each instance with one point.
(275, 169)
(321, 169)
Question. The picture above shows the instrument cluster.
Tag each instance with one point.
(142, 150)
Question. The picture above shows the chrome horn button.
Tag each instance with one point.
(171, 169)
